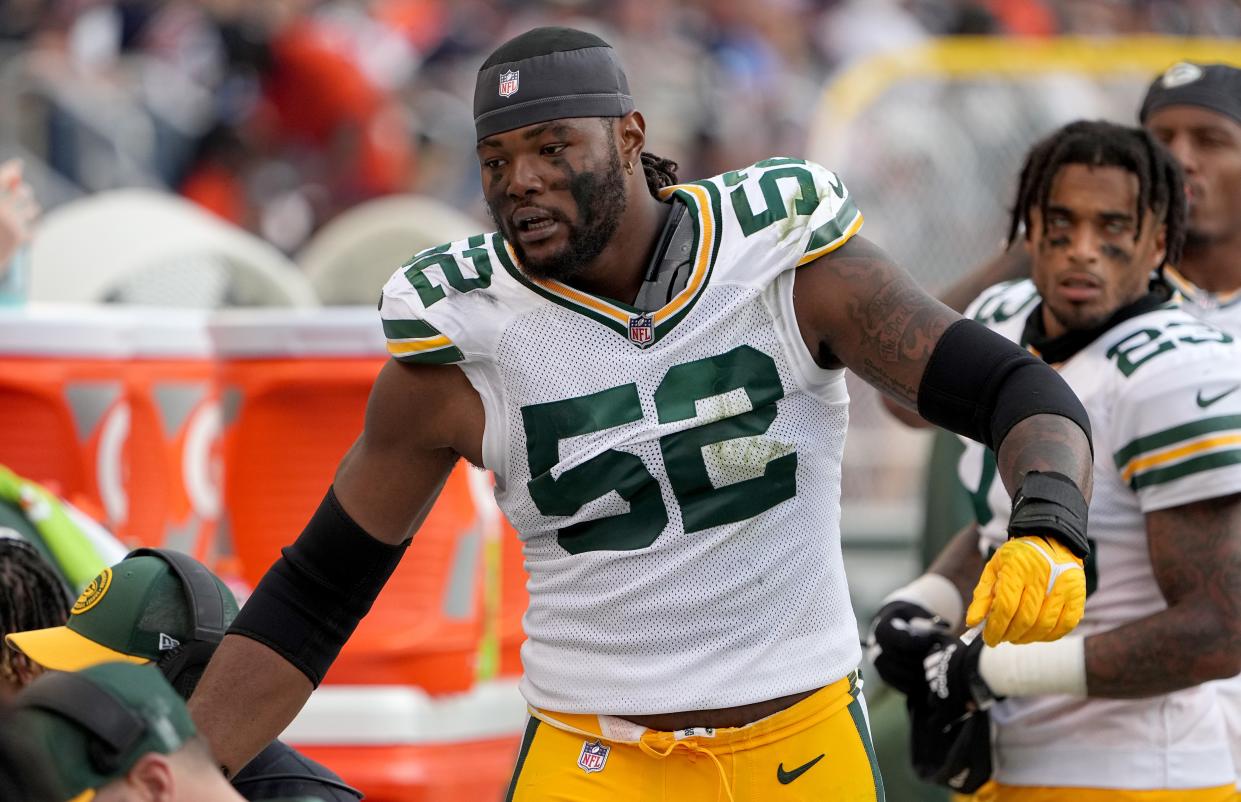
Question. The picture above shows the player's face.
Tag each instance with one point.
(1208, 146)
(1086, 261)
(556, 191)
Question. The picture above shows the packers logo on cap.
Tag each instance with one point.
(94, 593)
(1181, 74)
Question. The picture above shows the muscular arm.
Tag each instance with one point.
(1196, 553)
(418, 420)
(856, 308)
(1010, 264)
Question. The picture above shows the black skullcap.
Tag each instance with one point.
(1216, 87)
(548, 74)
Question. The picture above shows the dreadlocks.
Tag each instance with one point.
(32, 596)
(1096, 143)
(660, 172)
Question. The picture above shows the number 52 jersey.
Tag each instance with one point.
(674, 474)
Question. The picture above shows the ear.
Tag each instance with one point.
(632, 138)
(152, 778)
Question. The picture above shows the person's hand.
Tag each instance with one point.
(901, 635)
(1032, 589)
(953, 682)
(18, 211)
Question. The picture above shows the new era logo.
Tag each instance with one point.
(167, 643)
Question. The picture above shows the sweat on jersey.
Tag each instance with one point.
(1159, 389)
(674, 476)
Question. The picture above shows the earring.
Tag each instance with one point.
(629, 167)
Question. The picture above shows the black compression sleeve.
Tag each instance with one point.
(979, 385)
(312, 598)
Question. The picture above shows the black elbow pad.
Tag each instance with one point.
(979, 385)
(312, 598)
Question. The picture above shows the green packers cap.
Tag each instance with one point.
(96, 723)
(549, 74)
(134, 612)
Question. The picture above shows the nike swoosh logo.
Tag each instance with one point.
(786, 777)
(1206, 402)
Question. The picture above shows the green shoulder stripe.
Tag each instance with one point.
(835, 228)
(1173, 435)
(438, 356)
(406, 329)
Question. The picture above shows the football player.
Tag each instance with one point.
(1118, 710)
(654, 372)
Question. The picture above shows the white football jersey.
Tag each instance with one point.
(1159, 389)
(674, 475)
(1223, 311)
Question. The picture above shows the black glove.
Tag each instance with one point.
(902, 634)
(954, 684)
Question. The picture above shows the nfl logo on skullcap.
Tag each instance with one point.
(593, 757)
(641, 330)
(509, 81)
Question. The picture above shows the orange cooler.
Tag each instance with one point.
(218, 433)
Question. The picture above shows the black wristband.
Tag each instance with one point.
(1051, 504)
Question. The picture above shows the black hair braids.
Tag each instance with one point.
(1102, 144)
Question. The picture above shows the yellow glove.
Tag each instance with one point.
(1032, 589)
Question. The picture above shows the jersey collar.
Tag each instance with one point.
(703, 201)
(1198, 296)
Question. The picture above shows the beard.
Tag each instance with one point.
(600, 198)
(1081, 318)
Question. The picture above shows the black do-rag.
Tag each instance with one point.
(549, 74)
(1216, 87)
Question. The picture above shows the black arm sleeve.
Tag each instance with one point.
(979, 385)
(309, 602)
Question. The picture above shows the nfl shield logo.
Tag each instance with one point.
(641, 330)
(593, 756)
(509, 82)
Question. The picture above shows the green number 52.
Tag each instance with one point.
(702, 504)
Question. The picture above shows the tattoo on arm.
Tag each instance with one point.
(870, 314)
(1045, 443)
(1196, 552)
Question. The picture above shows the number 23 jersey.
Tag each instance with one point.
(1163, 392)
(674, 476)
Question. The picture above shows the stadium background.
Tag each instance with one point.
(192, 376)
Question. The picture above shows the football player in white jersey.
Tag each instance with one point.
(654, 372)
(1119, 710)
(1195, 110)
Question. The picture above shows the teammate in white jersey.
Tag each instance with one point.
(1195, 110)
(654, 373)
(1118, 710)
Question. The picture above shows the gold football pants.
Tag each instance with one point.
(818, 749)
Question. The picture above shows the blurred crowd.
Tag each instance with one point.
(277, 115)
